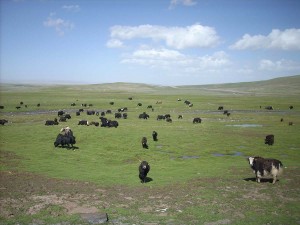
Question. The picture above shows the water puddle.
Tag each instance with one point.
(244, 125)
(190, 157)
(229, 154)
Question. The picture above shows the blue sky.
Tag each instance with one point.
(163, 42)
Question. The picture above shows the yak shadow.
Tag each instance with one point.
(147, 180)
(262, 180)
(68, 147)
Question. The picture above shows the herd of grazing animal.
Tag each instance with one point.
(261, 166)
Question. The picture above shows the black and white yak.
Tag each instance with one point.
(65, 138)
(263, 167)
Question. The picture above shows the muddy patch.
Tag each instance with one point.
(228, 154)
(244, 125)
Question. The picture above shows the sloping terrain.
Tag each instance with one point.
(281, 86)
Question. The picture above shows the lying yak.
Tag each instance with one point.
(144, 169)
(144, 142)
(3, 121)
(65, 138)
(264, 167)
(51, 122)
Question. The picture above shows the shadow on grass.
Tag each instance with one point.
(67, 147)
(262, 180)
(147, 180)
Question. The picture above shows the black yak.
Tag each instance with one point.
(3, 121)
(60, 113)
(144, 116)
(83, 122)
(51, 122)
(144, 169)
(154, 135)
(264, 167)
(197, 120)
(269, 139)
(144, 142)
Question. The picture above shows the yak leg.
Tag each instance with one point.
(274, 179)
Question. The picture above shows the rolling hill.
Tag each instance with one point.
(284, 86)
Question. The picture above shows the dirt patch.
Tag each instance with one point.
(26, 194)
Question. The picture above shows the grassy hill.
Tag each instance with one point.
(199, 174)
(280, 86)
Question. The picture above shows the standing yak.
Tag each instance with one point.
(263, 167)
(144, 169)
(154, 135)
(269, 139)
(144, 142)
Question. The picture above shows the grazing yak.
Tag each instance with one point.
(144, 143)
(60, 113)
(154, 135)
(3, 121)
(108, 123)
(264, 167)
(169, 120)
(197, 120)
(83, 122)
(269, 139)
(95, 123)
(118, 115)
(161, 117)
(90, 112)
(144, 169)
(269, 107)
(65, 138)
(144, 116)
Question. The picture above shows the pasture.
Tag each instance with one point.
(199, 172)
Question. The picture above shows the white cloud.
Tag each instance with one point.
(173, 3)
(194, 36)
(174, 60)
(71, 8)
(288, 39)
(60, 25)
(279, 66)
(114, 43)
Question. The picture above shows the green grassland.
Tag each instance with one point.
(198, 171)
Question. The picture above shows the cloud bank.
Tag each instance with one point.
(194, 36)
(288, 39)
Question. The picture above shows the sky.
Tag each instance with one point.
(159, 42)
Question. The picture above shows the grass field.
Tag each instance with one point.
(199, 173)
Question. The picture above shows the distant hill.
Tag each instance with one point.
(284, 86)
(280, 86)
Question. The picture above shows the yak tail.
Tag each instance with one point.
(280, 170)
